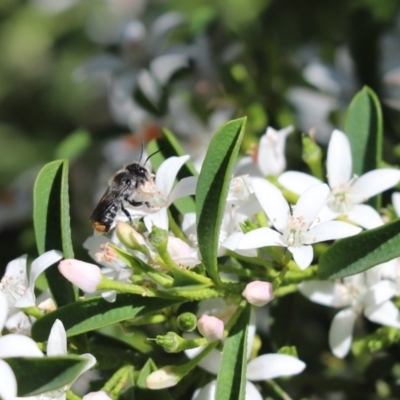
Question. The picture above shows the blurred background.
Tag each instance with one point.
(91, 80)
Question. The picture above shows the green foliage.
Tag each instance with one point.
(39, 375)
(94, 313)
(359, 253)
(52, 223)
(212, 189)
(231, 380)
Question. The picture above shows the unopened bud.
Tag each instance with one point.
(171, 342)
(131, 238)
(162, 378)
(258, 293)
(212, 328)
(82, 274)
(158, 238)
(187, 322)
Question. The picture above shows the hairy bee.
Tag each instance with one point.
(121, 191)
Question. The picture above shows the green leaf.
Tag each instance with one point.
(141, 391)
(231, 380)
(358, 253)
(40, 375)
(52, 223)
(94, 313)
(363, 126)
(212, 190)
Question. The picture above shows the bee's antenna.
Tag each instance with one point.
(152, 154)
(141, 151)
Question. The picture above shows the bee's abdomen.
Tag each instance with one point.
(103, 220)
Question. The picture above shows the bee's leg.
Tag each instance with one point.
(124, 210)
(138, 203)
(135, 203)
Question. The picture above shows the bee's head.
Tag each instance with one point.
(138, 173)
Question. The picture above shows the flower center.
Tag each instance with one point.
(13, 287)
(295, 233)
(340, 199)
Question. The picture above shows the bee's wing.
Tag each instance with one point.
(107, 204)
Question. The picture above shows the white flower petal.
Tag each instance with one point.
(311, 202)
(374, 182)
(321, 292)
(8, 387)
(386, 314)
(260, 237)
(271, 366)
(396, 202)
(339, 160)
(303, 255)
(43, 262)
(331, 230)
(207, 392)
(3, 310)
(272, 202)
(298, 182)
(17, 269)
(252, 392)
(380, 292)
(341, 332)
(20, 323)
(14, 345)
(271, 151)
(365, 216)
(210, 363)
(57, 343)
(159, 219)
(185, 187)
(166, 173)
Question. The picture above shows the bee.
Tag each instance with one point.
(134, 179)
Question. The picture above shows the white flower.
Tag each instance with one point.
(57, 346)
(20, 291)
(298, 229)
(361, 293)
(267, 366)
(270, 155)
(12, 345)
(347, 191)
(164, 181)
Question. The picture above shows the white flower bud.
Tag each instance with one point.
(212, 328)
(258, 293)
(162, 378)
(82, 274)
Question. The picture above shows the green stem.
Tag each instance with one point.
(278, 390)
(175, 229)
(72, 396)
(33, 312)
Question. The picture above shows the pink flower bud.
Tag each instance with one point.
(100, 395)
(212, 328)
(82, 274)
(162, 378)
(258, 293)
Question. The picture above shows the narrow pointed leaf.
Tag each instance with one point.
(212, 189)
(39, 375)
(363, 127)
(94, 313)
(52, 223)
(231, 380)
(358, 253)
